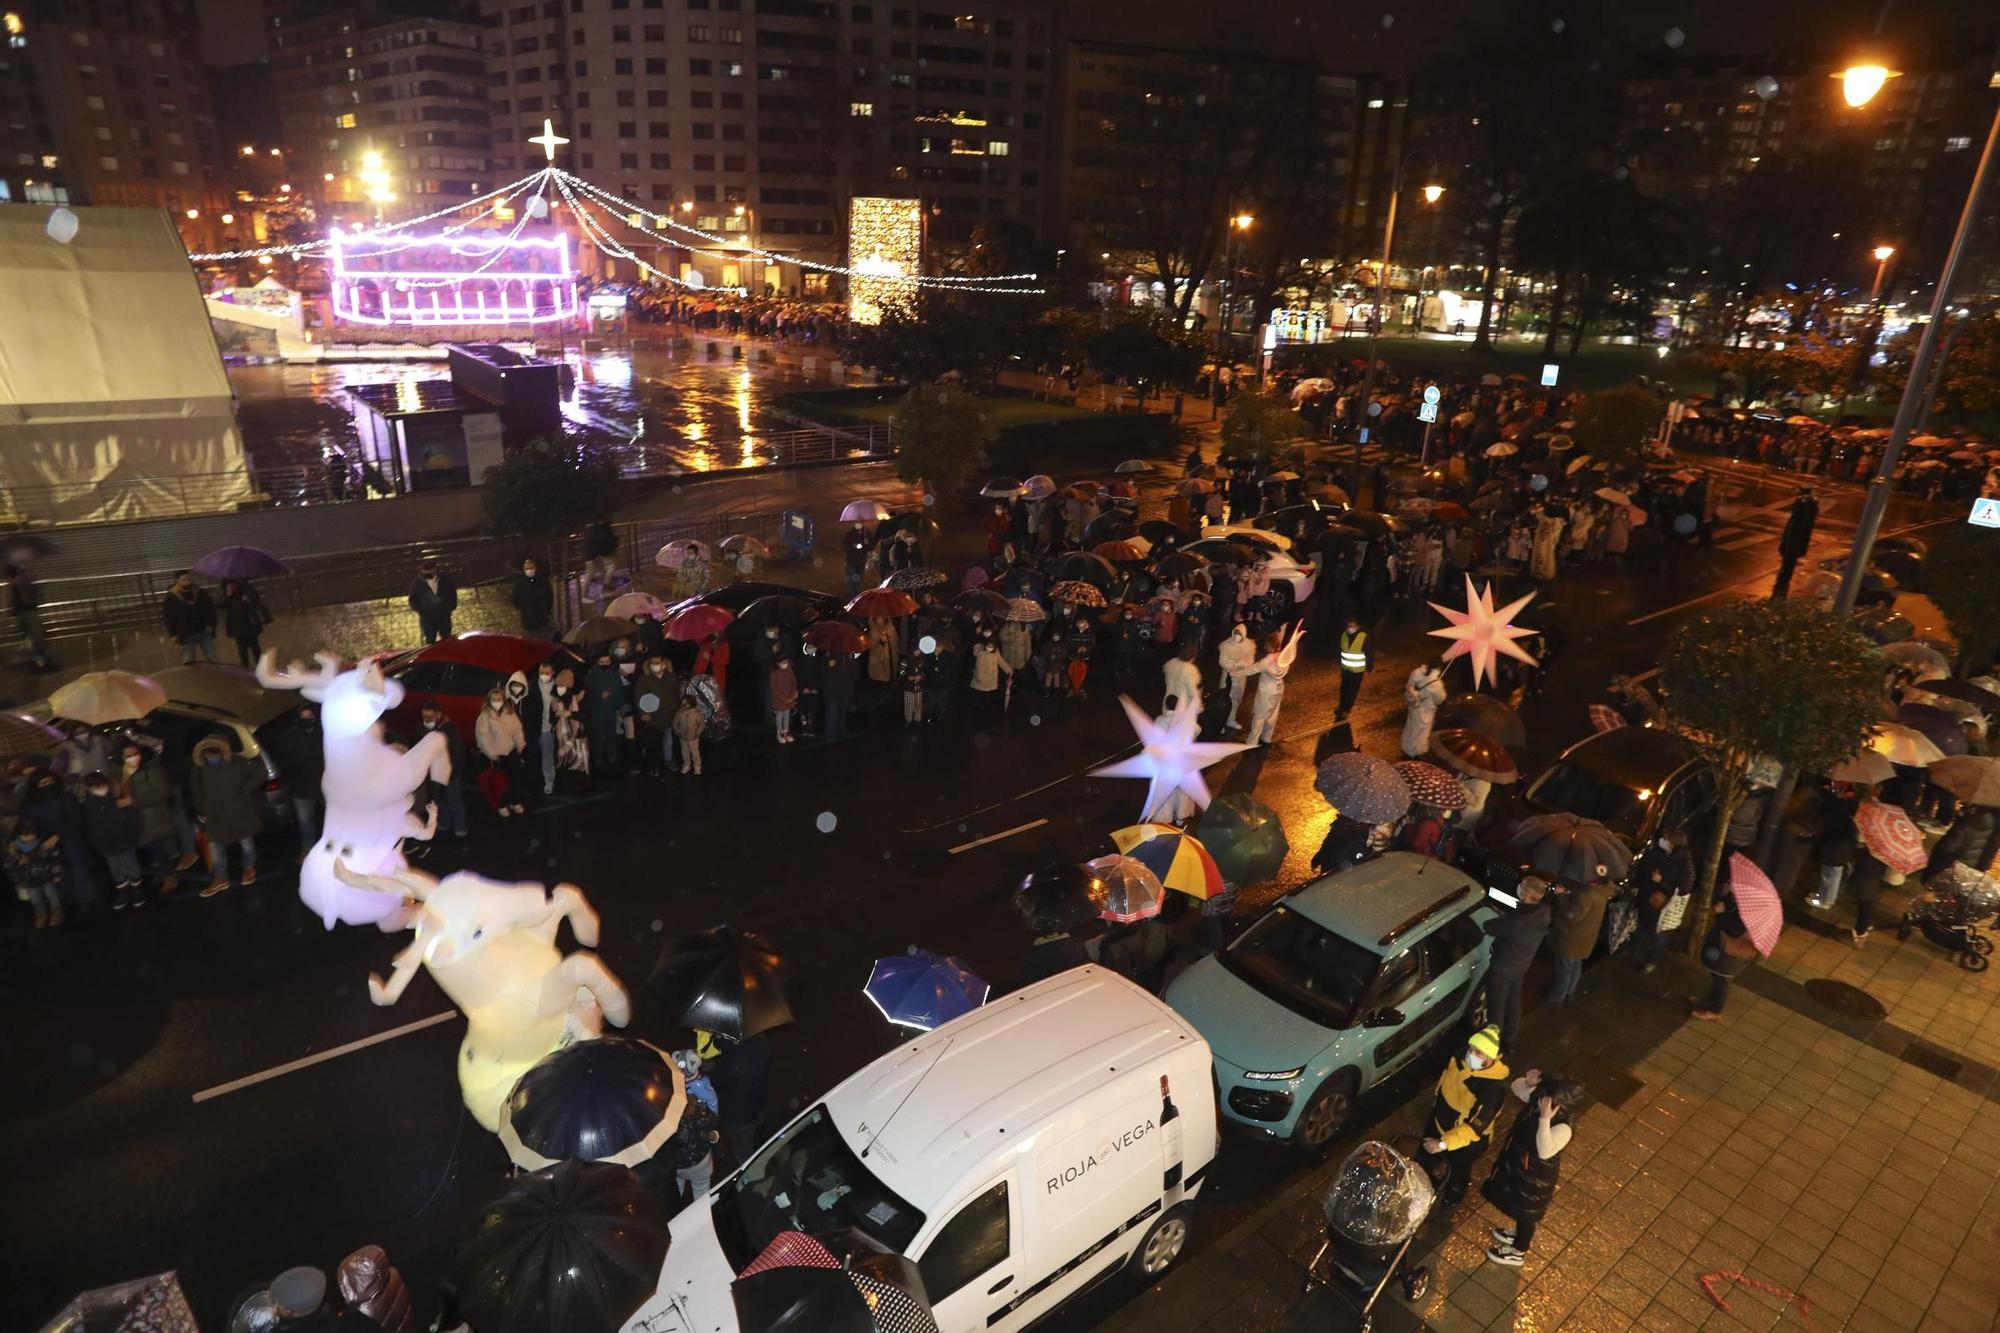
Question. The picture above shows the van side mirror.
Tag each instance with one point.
(1382, 1018)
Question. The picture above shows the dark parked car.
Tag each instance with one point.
(1634, 780)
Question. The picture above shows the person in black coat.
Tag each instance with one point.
(854, 543)
(244, 616)
(50, 807)
(434, 597)
(837, 693)
(1795, 540)
(740, 1072)
(1523, 1179)
(1048, 955)
(188, 613)
(535, 599)
(449, 794)
(1517, 937)
(1345, 845)
(300, 750)
(1660, 874)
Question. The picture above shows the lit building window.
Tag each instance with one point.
(860, 108)
(996, 148)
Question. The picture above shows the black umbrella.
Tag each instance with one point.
(609, 1099)
(1368, 521)
(800, 1284)
(1180, 565)
(1056, 897)
(1161, 533)
(724, 981)
(1986, 701)
(1571, 848)
(915, 579)
(778, 608)
(1083, 567)
(981, 599)
(937, 611)
(1232, 553)
(1942, 728)
(1484, 714)
(1362, 786)
(576, 1246)
(18, 548)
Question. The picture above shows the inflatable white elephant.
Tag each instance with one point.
(491, 948)
(368, 786)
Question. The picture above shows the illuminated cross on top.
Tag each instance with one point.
(549, 139)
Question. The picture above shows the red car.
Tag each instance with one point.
(457, 672)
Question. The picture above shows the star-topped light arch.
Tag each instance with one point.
(1483, 633)
(1171, 759)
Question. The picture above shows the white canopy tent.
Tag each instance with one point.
(113, 399)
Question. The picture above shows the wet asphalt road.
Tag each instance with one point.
(114, 1170)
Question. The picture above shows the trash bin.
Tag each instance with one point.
(795, 530)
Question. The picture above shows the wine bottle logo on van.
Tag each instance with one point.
(1116, 1144)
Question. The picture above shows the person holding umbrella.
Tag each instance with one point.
(1517, 937)
(244, 616)
(1579, 919)
(1726, 953)
(1423, 691)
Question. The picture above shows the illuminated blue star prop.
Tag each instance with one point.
(1170, 759)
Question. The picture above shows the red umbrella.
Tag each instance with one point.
(1757, 902)
(1890, 836)
(886, 603)
(695, 623)
(1119, 552)
(836, 636)
(1474, 755)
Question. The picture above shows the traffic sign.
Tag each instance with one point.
(1429, 412)
(1548, 374)
(1431, 395)
(1985, 513)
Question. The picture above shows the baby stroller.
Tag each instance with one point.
(1949, 914)
(1374, 1207)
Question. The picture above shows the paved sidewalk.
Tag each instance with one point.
(1803, 1143)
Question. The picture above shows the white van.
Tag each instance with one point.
(1021, 1154)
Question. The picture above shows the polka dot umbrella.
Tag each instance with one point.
(1431, 785)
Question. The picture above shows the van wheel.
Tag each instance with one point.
(1325, 1113)
(1166, 1241)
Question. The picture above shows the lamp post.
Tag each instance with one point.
(1859, 83)
(1432, 193)
(1871, 328)
(1239, 222)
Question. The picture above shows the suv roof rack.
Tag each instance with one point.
(1418, 918)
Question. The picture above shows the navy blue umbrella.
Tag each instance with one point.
(610, 1099)
(240, 562)
(921, 989)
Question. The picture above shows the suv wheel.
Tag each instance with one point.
(1325, 1113)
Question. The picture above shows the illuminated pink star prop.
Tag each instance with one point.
(1171, 758)
(1482, 632)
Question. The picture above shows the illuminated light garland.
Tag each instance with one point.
(501, 247)
(316, 247)
(587, 222)
(547, 295)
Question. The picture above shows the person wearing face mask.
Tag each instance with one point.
(300, 750)
(1271, 670)
(1129, 643)
(1470, 1094)
(1183, 679)
(500, 740)
(52, 808)
(1423, 691)
(783, 691)
(1660, 874)
(82, 752)
(1082, 647)
(112, 826)
(1237, 656)
(539, 721)
(188, 613)
(604, 705)
(145, 782)
(227, 789)
(572, 741)
(35, 869)
(449, 794)
(1357, 659)
(657, 696)
(534, 598)
(434, 597)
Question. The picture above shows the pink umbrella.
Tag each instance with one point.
(1605, 718)
(1757, 902)
(1890, 836)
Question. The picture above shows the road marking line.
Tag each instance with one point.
(995, 837)
(293, 1066)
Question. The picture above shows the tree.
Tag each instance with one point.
(549, 488)
(941, 434)
(934, 334)
(1254, 425)
(1970, 350)
(1782, 680)
(1145, 350)
(1612, 425)
(1962, 575)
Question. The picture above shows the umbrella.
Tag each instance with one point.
(21, 736)
(1889, 833)
(1119, 552)
(18, 548)
(98, 697)
(637, 604)
(691, 624)
(1972, 778)
(1000, 489)
(915, 578)
(598, 631)
(1613, 494)
(1161, 533)
(798, 1285)
(778, 608)
(1025, 611)
(882, 603)
(937, 611)
(1486, 715)
(1884, 625)
(1474, 755)
(1603, 718)
(1939, 726)
(1924, 661)
(1196, 486)
(1866, 767)
(1179, 565)
(1571, 848)
(742, 543)
(981, 599)
(1903, 745)
(1757, 902)
(1362, 787)
(863, 511)
(924, 990)
(724, 981)
(1077, 593)
(1123, 889)
(1985, 700)
(1285, 475)
(608, 1099)
(676, 553)
(1083, 567)
(1578, 464)
(835, 636)
(1817, 583)
(1246, 838)
(1056, 897)
(1502, 450)
(1431, 785)
(1132, 465)
(1231, 552)
(153, 1304)
(1039, 487)
(576, 1246)
(241, 562)
(1178, 859)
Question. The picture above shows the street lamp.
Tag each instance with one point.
(1432, 193)
(1859, 83)
(1238, 223)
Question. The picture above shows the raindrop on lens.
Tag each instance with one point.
(927, 644)
(827, 821)
(746, 564)
(1034, 719)
(1767, 87)
(1556, 26)
(1675, 37)
(658, 925)
(1388, 20)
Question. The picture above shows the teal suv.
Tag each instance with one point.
(1339, 985)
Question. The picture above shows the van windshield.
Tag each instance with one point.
(1305, 967)
(808, 1179)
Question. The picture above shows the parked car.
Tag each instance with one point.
(1339, 985)
(1286, 570)
(1635, 781)
(457, 673)
(733, 597)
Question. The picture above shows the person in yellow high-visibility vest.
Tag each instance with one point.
(1357, 659)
